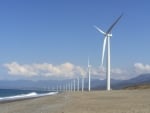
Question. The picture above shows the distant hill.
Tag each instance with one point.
(121, 84)
(141, 79)
(140, 86)
(96, 84)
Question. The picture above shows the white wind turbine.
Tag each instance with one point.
(82, 83)
(89, 72)
(74, 85)
(78, 84)
(107, 36)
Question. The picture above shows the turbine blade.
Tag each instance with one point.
(110, 28)
(100, 30)
(103, 52)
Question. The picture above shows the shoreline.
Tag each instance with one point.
(118, 101)
(25, 97)
(16, 100)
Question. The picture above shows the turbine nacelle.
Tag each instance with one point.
(109, 35)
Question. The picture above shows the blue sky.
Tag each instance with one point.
(61, 32)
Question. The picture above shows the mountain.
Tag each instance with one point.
(144, 78)
(141, 79)
(139, 86)
(96, 84)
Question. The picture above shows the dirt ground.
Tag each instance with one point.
(120, 101)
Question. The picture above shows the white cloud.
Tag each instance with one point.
(99, 72)
(17, 69)
(117, 71)
(141, 68)
(65, 70)
(45, 69)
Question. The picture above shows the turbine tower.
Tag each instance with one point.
(89, 72)
(107, 36)
(82, 84)
(74, 85)
(71, 85)
(78, 80)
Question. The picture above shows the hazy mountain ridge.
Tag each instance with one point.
(95, 83)
(141, 79)
(139, 86)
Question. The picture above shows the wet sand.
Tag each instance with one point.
(121, 101)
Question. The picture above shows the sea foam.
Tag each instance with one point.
(26, 96)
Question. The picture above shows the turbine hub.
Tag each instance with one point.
(109, 35)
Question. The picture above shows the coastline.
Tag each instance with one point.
(119, 101)
(25, 96)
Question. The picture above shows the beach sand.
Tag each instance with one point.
(120, 101)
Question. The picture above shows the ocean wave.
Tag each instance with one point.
(26, 96)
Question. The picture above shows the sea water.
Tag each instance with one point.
(15, 94)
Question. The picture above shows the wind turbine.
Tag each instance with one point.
(74, 85)
(78, 80)
(89, 72)
(71, 85)
(82, 83)
(107, 36)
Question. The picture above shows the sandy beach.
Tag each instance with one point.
(121, 101)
